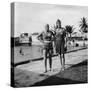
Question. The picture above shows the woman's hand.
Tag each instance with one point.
(65, 45)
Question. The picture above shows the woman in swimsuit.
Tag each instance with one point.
(60, 42)
(46, 38)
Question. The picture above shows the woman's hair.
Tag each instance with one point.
(58, 20)
(47, 25)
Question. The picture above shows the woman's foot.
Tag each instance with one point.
(45, 71)
(63, 68)
(50, 69)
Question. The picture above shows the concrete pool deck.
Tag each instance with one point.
(32, 74)
(71, 59)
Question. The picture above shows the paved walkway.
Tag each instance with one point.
(71, 58)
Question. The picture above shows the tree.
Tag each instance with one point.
(69, 29)
(83, 25)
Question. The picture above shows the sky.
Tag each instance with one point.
(32, 17)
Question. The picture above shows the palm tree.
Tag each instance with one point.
(69, 29)
(83, 25)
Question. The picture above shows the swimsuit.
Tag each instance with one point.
(47, 40)
(60, 41)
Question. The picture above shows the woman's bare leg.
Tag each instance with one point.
(45, 59)
(50, 59)
(60, 56)
(63, 62)
(45, 64)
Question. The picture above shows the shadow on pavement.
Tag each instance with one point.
(76, 74)
(81, 63)
(53, 80)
